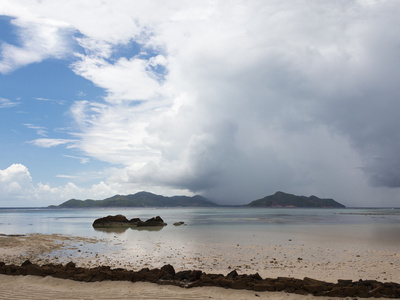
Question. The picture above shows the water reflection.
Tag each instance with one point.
(119, 230)
(154, 228)
(116, 230)
(216, 223)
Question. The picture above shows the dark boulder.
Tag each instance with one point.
(167, 272)
(179, 223)
(157, 221)
(120, 221)
(232, 274)
(135, 221)
(111, 221)
(34, 269)
(189, 275)
(26, 263)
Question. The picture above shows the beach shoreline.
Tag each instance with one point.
(196, 278)
(49, 288)
(43, 249)
(284, 259)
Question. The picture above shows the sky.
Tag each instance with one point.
(233, 100)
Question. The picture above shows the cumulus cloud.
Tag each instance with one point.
(17, 189)
(255, 97)
(15, 181)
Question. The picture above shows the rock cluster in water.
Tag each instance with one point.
(196, 278)
(122, 221)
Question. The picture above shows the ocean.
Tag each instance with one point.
(215, 239)
(367, 224)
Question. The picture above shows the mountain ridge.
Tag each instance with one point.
(146, 199)
(281, 199)
(140, 199)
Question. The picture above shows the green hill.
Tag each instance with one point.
(280, 199)
(141, 199)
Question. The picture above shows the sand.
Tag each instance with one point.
(33, 287)
(289, 259)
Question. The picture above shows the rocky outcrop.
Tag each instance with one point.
(196, 278)
(111, 221)
(157, 221)
(119, 221)
(179, 223)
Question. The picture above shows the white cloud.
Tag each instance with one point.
(66, 176)
(61, 102)
(125, 145)
(6, 103)
(17, 189)
(48, 143)
(41, 38)
(84, 160)
(257, 96)
(124, 80)
(15, 181)
(39, 129)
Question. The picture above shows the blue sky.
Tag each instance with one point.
(39, 96)
(234, 102)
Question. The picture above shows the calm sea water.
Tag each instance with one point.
(218, 225)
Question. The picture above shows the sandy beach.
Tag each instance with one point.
(290, 259)
(33, 287)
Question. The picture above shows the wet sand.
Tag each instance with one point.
(287, 259)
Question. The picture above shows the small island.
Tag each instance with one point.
(280, 199)
(146, 199)
(141, 199)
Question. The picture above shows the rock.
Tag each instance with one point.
(226, 283)
(179, 223)
(70, 265)
(256, 276)
(240, 284)
(167, 272)
(232, 274)
(26, 263)
(151, 275)
(315, 286)
(120, 221)
(190, 275)
(135, 221)
(35, 270)
(262, 287)
(193, 278)
(339, 291)
(111, 221)
(157, 221)
(344, 282)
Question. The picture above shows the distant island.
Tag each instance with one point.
(280, 199)
(146, 199)
(141, 199)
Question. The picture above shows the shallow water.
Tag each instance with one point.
(273, 242)
(218, 225)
